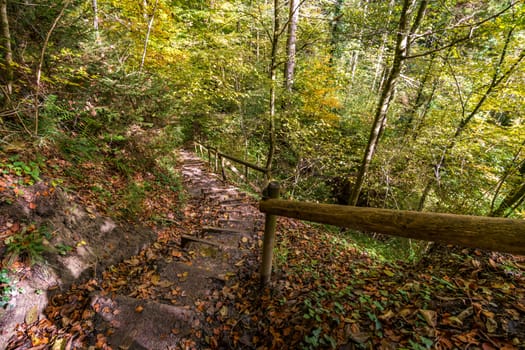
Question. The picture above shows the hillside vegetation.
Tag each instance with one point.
(402, 104)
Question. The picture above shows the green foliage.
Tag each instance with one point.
(63, 249)
(79, 149)
(7, 288)
(133, 197)
(28, 244)
(20, 168)
(317, 339)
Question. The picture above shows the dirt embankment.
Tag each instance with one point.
(73, 242)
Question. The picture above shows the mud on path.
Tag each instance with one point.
(159, 293)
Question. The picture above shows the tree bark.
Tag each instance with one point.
(289, 68)
(95, 21)
(5, 45)
(511, 201)
(401, 51)
(150, 25)
(420, 98)
(379, 63)
(273, 78)
(508, 172)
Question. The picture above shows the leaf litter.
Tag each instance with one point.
(323, 294)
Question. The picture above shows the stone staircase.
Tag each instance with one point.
(225, 223)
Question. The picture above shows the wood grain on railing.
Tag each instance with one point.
(496, 234)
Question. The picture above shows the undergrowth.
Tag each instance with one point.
(7, 288)
(28, 244)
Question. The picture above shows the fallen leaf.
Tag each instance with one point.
(430, 317)
(31, 315)
(491, 325)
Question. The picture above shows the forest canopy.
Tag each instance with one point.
(407, 104)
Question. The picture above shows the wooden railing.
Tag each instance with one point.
(221, 162)
(496, 234)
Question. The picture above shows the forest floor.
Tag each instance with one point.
(188, 278)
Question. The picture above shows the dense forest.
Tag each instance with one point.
(398, 104)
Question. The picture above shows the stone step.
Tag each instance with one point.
(185, 241)
(135, 324)
(225, 230)
(196, 279)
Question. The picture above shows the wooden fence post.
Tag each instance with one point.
(270, 223)
(209, 156)
(216, 160)
(222, 168)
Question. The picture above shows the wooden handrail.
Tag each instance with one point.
(237, 160)
(245, 163)
(496, 234)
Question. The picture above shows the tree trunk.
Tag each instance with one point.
(5, 44)
(335, 29)
(420, 98)
(95, 21)
(150, 25)
(289, 68)
(511, 201)
(41, 62)
(508, 172)
(497, 78)
(273, 77)
(401, 51)
(379, 63)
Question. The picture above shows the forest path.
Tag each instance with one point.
(165, 311)
(193, 283)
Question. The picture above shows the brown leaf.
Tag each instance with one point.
(491, 325)
(430, 317)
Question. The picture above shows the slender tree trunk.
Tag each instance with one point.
(497, 78)
(356, 52)
(289, 68)
(41, 62)
(273, 78)
(335, 30)
(401, 51)
(150, 25)
(508, 172)
(355, 60)
(379, 63)
(420, 97)
(145, 9)
(511, 201)
(95, 21)
(5, 46)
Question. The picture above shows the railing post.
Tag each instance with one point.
(222, 168)
(209, 156)
(271, 192)
(216, 153)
